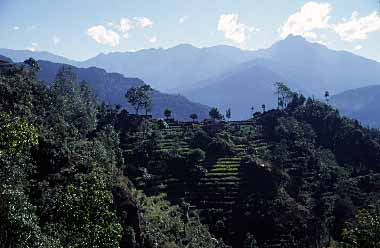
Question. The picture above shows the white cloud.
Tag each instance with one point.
(233, 29)
(310, 17)
(322, 42)
(56, 40)
(143, 22)
(182, 19)
(153, 39)
(358, 47)
(103, 36)
(16, 28)
(358, 28)
(34, 47)
(125, 25)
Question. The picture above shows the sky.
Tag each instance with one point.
(80, 29)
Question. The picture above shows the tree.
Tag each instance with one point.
(19, 225)
(215, 114)
(252, 110)
(33, 64)
(327, 96)
(194, 117)
(284, 95)
(250, 241)
(134, 98)
(166, 225)
(364, 233)
(195, 156)
(263, 107)
(73, 106)
(15, 134)
(147, 98)
(140, 97)
(228, 113)
(87, 218)
(167, 113)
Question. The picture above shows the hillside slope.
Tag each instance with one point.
(168, 69)
(239, 90)
(306, 67)
(111, 88)
(361, 104)
(5, 59)
(286, 178)
(312, 67)
(22, 55)
(319, 68)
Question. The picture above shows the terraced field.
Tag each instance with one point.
(218, 192)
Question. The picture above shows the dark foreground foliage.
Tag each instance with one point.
(61, 173)
(76, 173)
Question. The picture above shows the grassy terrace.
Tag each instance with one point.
(219, 188)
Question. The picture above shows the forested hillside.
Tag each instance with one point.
(77, 173)
(292, 177)
(112, 87)
(62, 173)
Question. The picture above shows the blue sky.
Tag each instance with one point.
(79, 29)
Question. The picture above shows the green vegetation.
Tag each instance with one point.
(62, 171)
(76, 173)
(228, 113)
(167, 113)
(215, 114)
(194, 117)
(140, 97)
(284, 95)
(364, 231)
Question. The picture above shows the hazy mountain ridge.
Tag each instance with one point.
(176, 67)
(6, 59)
(111, 88)
(240, 91)
(307, 67)
(331, 70)
(360, 103)
(224, 76)
(21, 55)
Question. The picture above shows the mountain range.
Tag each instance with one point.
(307, 67)
(21, 55)
(361, 104)
(164, 69)
(111, 88)
(228, 77)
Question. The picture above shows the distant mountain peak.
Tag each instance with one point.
(183, 46)
(293, 41)
(21, 55)
(292, 37)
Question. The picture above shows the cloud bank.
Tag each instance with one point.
(310, 17)
(103, 36)
(358, 28)
(233, 29)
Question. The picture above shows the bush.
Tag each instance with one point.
(200, 140)
(195, 156)
(220, 147)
